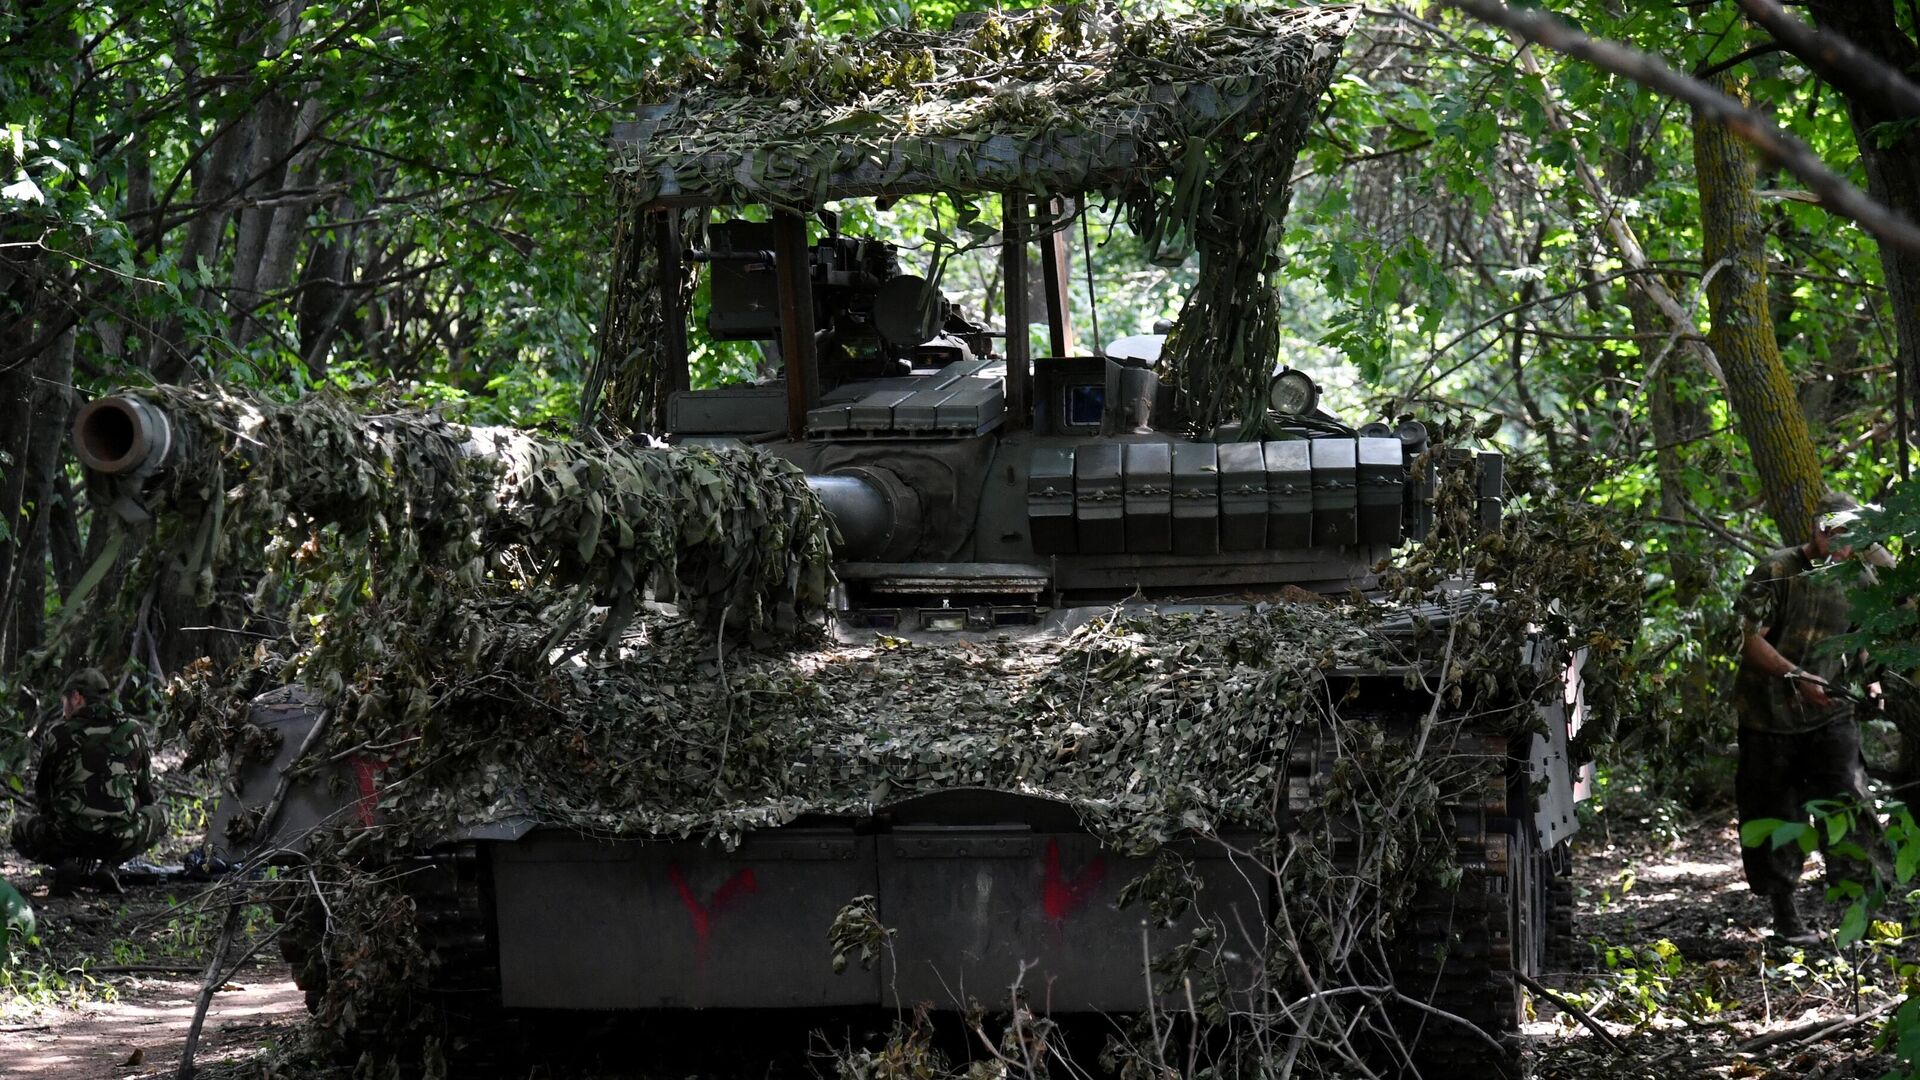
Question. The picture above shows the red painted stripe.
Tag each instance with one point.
(365, 770)
(1061, 897)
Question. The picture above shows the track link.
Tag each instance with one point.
(448, 898)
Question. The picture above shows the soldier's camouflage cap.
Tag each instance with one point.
(1837, 510)
(88, 681)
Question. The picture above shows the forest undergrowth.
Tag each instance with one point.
(1675, 960)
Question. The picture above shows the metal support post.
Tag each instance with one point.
(1013, 271)
(1056, 274)
(792, 263)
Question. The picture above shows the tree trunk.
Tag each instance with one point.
(277, 128)
(1667, 465)
(1765, 407)
(1893, 171)
(63, 535)
(285, 233)
(268, 169)
(36, 448)
(216, 188)
(323, 294)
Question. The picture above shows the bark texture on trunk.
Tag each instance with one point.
(1766, 409)
(1893, 169)
(34, 446)
(285, 232)
(324, 297)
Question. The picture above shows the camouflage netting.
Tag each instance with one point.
(1152, 727)
(1192, 123)
(377, 537)
(441, 607)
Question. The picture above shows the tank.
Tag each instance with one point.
(985, 498)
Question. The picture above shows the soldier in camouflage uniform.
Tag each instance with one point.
(93, 793)
(1797, 741)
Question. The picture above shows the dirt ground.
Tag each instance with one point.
(112, 992)
(1674, 962)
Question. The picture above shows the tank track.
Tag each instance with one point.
(450, 915)
(1460, 945)
(1457, 954)
(1561, 954)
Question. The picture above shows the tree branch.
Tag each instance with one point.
(1849, 68)
(1574, 1011)
(1737, 59)
(1836, 194)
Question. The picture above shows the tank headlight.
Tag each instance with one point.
(1292, 393)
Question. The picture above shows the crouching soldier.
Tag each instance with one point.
(94, 802)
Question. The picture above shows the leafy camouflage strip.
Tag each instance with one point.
(1077, 98)
(1151, 726)
(1192, 123)
(340, 486)
(629, 371)
(384, 546)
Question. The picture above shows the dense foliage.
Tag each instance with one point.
(283, 198)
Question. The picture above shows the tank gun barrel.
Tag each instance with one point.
(122, 435)
(872, 510)
(735, 527)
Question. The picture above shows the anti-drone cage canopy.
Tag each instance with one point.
(1191, 123)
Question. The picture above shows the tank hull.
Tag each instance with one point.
(989, 897)
(1001, 896)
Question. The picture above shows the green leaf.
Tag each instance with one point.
(16, 918)
(854, 121)
(1853, 925)
(1758, 831)
(1836, 825)
(1790, 832)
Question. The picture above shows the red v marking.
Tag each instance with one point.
(365, 770)
(740, 884)
(1061, 897)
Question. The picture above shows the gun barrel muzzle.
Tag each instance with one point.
(120, 435)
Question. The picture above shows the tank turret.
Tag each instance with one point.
(965, 486)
